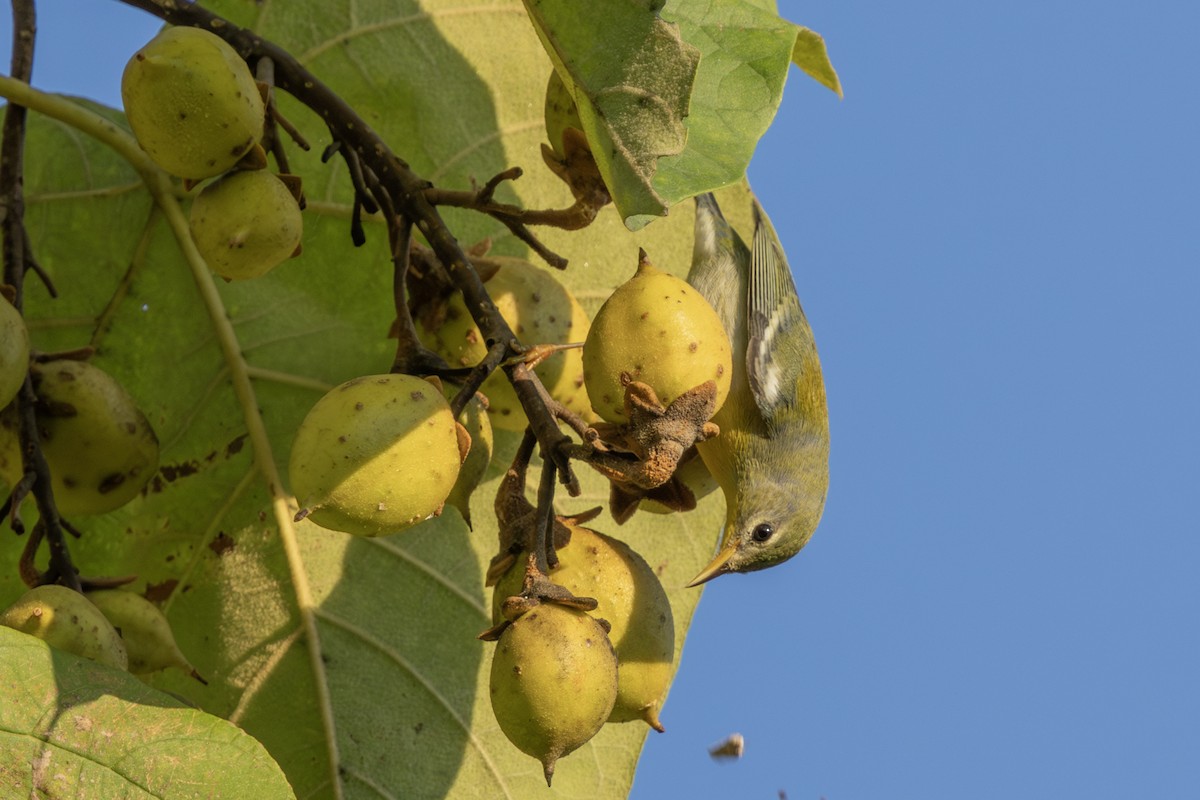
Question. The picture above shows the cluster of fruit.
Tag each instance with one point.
(198, 113)
(111, 626)
(559, 673)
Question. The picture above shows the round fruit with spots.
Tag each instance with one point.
(66, 620)
(98, 444)
(246, 223)
(553, 682)
(655, 328)
(192, 103)
(540, 310)
(376, 455)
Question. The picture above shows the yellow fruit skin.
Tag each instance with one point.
(631, 599)
(14, 352)
(375, 455)
(246, 224)
(192, 103)
(103, 454)
(65, 619)
(539, 310)
(144, 630)
(660, 331)
(553, 681)
(479, 427)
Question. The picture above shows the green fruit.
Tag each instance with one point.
(553, 682)
(656, 329)
(375, 455)
(560, 113)
(475, 419)
(14, 352)
(65, 619)
(98, 444)
(192, 103)
(245, 224)
(632, 600)
(144, 630)
(540, 310)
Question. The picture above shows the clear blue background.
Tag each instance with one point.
(996, 240)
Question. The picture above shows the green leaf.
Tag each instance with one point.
(630, 75)
(70, 727)
(353, 661)
(810, 55)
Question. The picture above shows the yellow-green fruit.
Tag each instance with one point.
(14, 352)
(246, 224)
(553, 682)
(65, 619)
(144, 630)
(540, 310)
(192, 103)
(560, 113)
(659, 330)
(100, 448)
(632, 600)
(375, 455)
(475, 419)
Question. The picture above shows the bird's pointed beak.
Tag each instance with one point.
(718, 566)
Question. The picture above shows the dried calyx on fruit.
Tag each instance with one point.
(377, 454)
(192, 103)
(100, 447)
(66, 620)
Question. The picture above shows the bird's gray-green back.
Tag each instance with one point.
(772, 455)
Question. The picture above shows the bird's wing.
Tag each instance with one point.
(775, 347)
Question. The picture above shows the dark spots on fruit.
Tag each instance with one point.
(517, 670)
(111, 482)
(504, 412)
(520, 328)
(130, 428)
(417, 396)
(342, 439)
(720, 370)
(552, 318)
(693, 347)
(358, 406)
(66, 376)
(183, 115)
(222, 544)
(644, 315)
(472, 336)
(70, 481)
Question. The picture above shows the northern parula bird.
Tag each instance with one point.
(771, 458)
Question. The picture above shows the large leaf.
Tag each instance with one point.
(353, 661)
(631, 75)
(663, 128)
(70, 727)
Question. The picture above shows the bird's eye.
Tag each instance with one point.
(762, 532)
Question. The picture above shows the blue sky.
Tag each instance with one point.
(996, 243)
